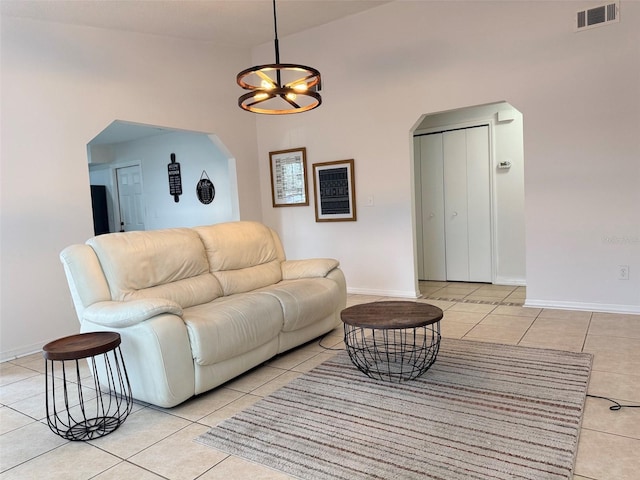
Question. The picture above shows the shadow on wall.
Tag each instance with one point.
(145, 177)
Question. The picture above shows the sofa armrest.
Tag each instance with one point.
(125, 314)
(308, 268)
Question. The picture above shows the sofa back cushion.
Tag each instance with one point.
(169, 264)
(243, 256)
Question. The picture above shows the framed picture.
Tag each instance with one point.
(289, 177)
(335, 191)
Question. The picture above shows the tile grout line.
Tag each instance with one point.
(586, 334)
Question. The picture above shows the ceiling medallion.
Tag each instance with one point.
(279, 88)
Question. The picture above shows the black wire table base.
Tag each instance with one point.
(80, 412)
(394, 354)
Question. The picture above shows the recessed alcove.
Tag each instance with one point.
(129, 174)
(469, 183)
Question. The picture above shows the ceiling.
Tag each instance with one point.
(236, 23)
(120, 131)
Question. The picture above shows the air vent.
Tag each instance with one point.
(598, 16)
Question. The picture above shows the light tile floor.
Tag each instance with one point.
(156, 443)
(474, 292)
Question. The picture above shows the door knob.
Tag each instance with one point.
(431, 215)
(455, 214)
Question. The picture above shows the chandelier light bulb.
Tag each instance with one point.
(267, 85)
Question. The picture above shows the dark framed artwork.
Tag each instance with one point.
(289, 177)
(335, 191)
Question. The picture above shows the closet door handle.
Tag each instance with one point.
(455, 214)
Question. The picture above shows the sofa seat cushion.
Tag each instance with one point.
(305, 301)
(231, 326)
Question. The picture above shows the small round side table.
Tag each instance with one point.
(393, 340)
(72, 411)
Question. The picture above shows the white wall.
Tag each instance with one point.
(195, 152)
(61, 85)
(579, 94)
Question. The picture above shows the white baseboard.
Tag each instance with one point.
(383, 293)
(21, 352)
(589, 307)
(515, 281)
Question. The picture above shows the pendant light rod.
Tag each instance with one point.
(275, 41)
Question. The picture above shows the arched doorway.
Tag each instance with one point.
(473, 192)
(129, 175)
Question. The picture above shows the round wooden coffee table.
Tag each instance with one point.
(393, 341)
(78, 411)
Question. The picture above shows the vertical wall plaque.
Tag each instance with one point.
(175, 179)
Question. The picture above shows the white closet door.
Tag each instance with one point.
(479, 204)
(433, 232)
(417, 157)
(455, 205)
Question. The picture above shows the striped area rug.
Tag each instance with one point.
(482, 411)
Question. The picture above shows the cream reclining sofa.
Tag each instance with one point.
(196, 307)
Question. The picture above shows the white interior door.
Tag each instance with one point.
(455, 208)
(130, 198)
(417, 166)
(467, 204)
(455, 201)
(432, 200)
(479, 204)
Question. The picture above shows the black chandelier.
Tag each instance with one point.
(279, 88)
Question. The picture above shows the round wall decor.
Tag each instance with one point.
(205, 190)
